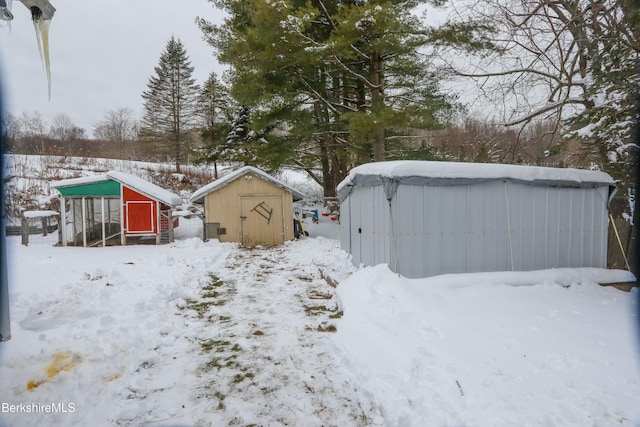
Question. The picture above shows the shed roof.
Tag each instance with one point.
(135, 183)
(419, 172)
(199, 195)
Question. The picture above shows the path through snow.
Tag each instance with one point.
(268, 317)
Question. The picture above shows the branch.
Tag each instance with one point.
(311, 173)
(505, 73)
(543, 110)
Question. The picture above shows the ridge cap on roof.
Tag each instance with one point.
(232, 176)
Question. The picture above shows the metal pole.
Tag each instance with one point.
(5, 325)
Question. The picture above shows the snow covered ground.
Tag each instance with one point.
(208, 334)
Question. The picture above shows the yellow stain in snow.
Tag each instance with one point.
(62, 361)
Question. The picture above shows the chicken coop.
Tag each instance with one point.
(115, 209)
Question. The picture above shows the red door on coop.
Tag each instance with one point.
(139, 213)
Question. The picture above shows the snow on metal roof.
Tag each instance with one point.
(198, 196)
(72, 182)
(457, 173)
(138, 184)
(145, 187)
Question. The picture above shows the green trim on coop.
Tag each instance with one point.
(108, 188)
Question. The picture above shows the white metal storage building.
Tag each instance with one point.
(429, 218)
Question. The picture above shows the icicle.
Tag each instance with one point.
(5, 11)
(41, 27)
(44, 30)
(36, 27)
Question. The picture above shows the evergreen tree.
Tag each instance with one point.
(170, 102)
(334, 75)
(215, 107)
(258, 147)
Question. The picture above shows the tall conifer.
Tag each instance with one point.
(171, 102)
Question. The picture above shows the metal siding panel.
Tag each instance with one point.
(432, 220)
(539, 237)
(503, 248)
(354, 202)
(565, 217)
(345, 225)
(513, 201)
(553, 230)
(588, 224)
(367, 225)
(447, 229)
(601, 227)
(405, 261)
(462, 216)
(392, 218)
(576, 252)
(523, 213)
(381, 238)
(496, 253)
(475, 228)
(417, 231)
(499, 232)
(387, 218)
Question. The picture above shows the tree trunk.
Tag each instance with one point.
(377, 105)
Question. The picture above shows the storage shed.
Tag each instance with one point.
(115, 208)
(248, 206)
(428, 218)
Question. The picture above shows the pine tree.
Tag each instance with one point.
(170, 102)
(215, 107)
(336, 75)
(252, 147)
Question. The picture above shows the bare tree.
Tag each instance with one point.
(10, 130)
(118, 126)
(33, 131)
(63, 129)
(568, 62)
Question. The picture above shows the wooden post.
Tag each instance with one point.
(84, 222)
(158, 223)
(104, 231)
(25, 231)
(170, 216)
(62, 224)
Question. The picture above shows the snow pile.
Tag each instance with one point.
(546, 348)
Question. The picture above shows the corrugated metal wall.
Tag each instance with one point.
(432, 230)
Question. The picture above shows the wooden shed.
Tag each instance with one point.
(429, 218)
(248, 206)
(115, 208)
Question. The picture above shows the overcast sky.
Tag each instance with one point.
(102, 55)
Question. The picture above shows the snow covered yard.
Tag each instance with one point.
(208, 334)
(186, 334)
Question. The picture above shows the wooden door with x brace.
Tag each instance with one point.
(261, 220)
